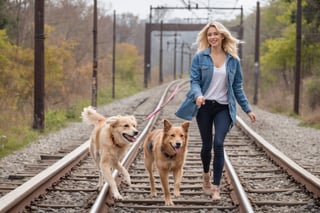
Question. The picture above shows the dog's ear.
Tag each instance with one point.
(166, 125)
(185, 126)
(112, 120)
(133, 118)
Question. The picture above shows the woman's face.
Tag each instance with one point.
(214, 37)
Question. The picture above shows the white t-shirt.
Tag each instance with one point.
(218, 88)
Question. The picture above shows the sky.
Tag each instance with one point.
(141, 8)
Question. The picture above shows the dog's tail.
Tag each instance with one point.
(89, 115)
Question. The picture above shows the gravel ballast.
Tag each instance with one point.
(299, 143)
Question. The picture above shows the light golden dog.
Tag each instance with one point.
(109, 141)
(166, 149)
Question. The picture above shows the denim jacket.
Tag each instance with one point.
(201, 72)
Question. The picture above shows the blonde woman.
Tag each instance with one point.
(215, 86)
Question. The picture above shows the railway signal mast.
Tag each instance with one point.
(178, 27)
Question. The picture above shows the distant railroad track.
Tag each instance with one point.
(263, 182)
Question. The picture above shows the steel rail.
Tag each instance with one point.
(99, 203)
(311, 182)
(18, 198)
(244, 203)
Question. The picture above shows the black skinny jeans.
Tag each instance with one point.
(209, 114)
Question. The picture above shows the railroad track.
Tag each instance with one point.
(267, 186)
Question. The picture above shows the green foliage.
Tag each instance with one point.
(15, 72)
(73, 113)
(68, 67)
(278, 52)
(278, 60)
(128, 63)
(17, 137)
(17, 75)
(310, 59)
(313, 91)
(61, 80)
(127, 90)
(314, 125)
(55, 120)
(271, 23)
(57, 62)
(16, 90)
(105, 95)
(122, 89)
(3, 18)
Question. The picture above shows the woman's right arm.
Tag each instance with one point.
(195, 78)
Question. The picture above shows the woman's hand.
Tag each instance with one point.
(252, 116)
(200, 101)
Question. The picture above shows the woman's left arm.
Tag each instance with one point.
(238, 90)
(240, 93)
(252, 116)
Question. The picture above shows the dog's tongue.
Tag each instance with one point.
(132, 138)
(177, 149)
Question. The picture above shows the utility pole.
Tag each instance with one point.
(161, 35)
(160, 57)
(95, 59)
(114, 55)
(298, 58)
(39, 72)
(181, 55)
(174, 57)
(256, 58)
(181, 61)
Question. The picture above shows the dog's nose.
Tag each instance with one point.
(136, 132)
(178, 144)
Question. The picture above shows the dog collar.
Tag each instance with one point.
(114, 142)
(166, 154)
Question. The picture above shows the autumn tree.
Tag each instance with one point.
(3, 18)
(129, 64)
(278, 51)
(130, 29)
(15, 84)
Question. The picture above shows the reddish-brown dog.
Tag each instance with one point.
(166, 149)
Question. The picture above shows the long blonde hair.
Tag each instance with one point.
(229, 43)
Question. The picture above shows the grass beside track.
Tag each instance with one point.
(18, 135)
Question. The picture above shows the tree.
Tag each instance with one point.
(278, 58)
(129, 64)
(278, 51)
(3, 18)
(16, 72)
